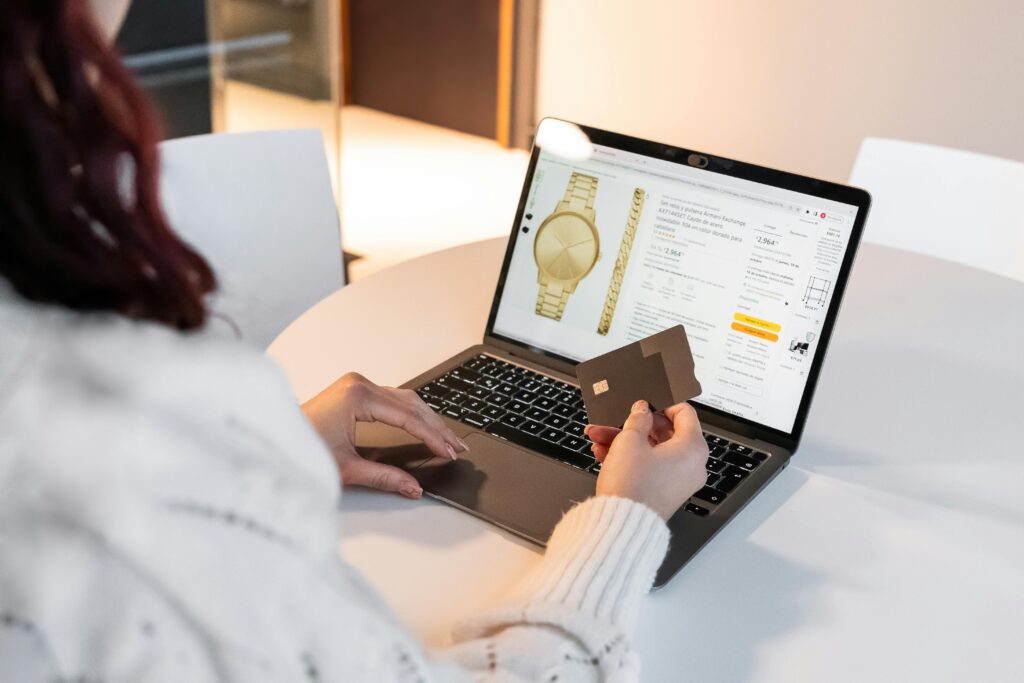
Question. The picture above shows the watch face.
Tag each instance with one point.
(566, 246)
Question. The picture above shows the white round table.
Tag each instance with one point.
(892, 549)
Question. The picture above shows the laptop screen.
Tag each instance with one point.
(614, 245)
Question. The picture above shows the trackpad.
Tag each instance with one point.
(522, 491)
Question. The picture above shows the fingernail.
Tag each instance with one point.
(412, 491)
(462, 443)
(640, 407)
(586, 430)
(451, 451)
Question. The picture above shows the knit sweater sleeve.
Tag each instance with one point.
(571, 617)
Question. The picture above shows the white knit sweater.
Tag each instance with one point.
(168, 515)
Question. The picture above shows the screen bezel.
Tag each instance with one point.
(730, 167)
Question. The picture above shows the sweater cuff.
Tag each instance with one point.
(600, 561)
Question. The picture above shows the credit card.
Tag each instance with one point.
(658, 369)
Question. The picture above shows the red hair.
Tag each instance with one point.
(80, 217)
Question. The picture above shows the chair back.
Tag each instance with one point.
(259, 207)
(942, 202)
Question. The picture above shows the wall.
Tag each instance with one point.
(794, 84)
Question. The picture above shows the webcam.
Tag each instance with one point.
(697, 160)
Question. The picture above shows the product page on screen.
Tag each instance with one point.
(616, 247)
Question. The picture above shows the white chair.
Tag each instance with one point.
(947, 203)
(259, 207)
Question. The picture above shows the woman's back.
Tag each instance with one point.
(164, 490)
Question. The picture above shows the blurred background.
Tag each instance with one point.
(427, 107)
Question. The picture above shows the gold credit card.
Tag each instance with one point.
(658, 369)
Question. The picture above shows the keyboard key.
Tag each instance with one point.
(531, 427)
(734, 458)
(505, 389)
(697, 509)
(525, 396)
(509, 376)
(759, 456)
(497, 399)
(556, 421)
(550, 391)
(541, 446)
(530, 385)
(574, 443)
(712, 479)
(574, 428)
(517, 406)
(493, 412)
(488, 382)
(477, 363)
(710, 495)
(536, 413)
(717, 451)
(434, 404)
(728, 483)
(492, 369)
(476, 420)
(435, 389)
(474, 404)
(480, 392)
(456, 398)
(580, 416)
(596, 467)
(564, 410)
(715, 440)
(513, 420)
(735, 472)
(742, 450)
(453, 412)
(465, 373)
(454, 383)
(545, 403)
(553, 435)
(715, 465)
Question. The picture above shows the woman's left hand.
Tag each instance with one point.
(353, 398)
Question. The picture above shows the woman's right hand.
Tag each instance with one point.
(658, 460)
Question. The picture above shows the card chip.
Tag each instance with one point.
(600, 387)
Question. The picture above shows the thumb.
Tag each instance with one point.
(640, 420)
(379, 476)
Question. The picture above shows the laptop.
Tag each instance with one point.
(616, 238)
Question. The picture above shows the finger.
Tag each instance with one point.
(662, 430)
(423, 423)
(375, 475)
(432, 418)
(640, 420)
(684, 420)
(601, 433)
(600, 451)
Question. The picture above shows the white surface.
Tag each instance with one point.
(259, 207)
(942, 202)
(410, 188)
(790, 84)
(889, 550)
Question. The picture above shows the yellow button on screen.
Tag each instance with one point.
(751, 320)
(754, 332)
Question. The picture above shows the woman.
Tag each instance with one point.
(167, 513)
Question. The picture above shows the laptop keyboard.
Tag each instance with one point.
(547, 416)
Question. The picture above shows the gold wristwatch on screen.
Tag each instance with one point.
(567, 246)
(621, 261)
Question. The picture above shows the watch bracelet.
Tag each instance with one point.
(621, 261)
